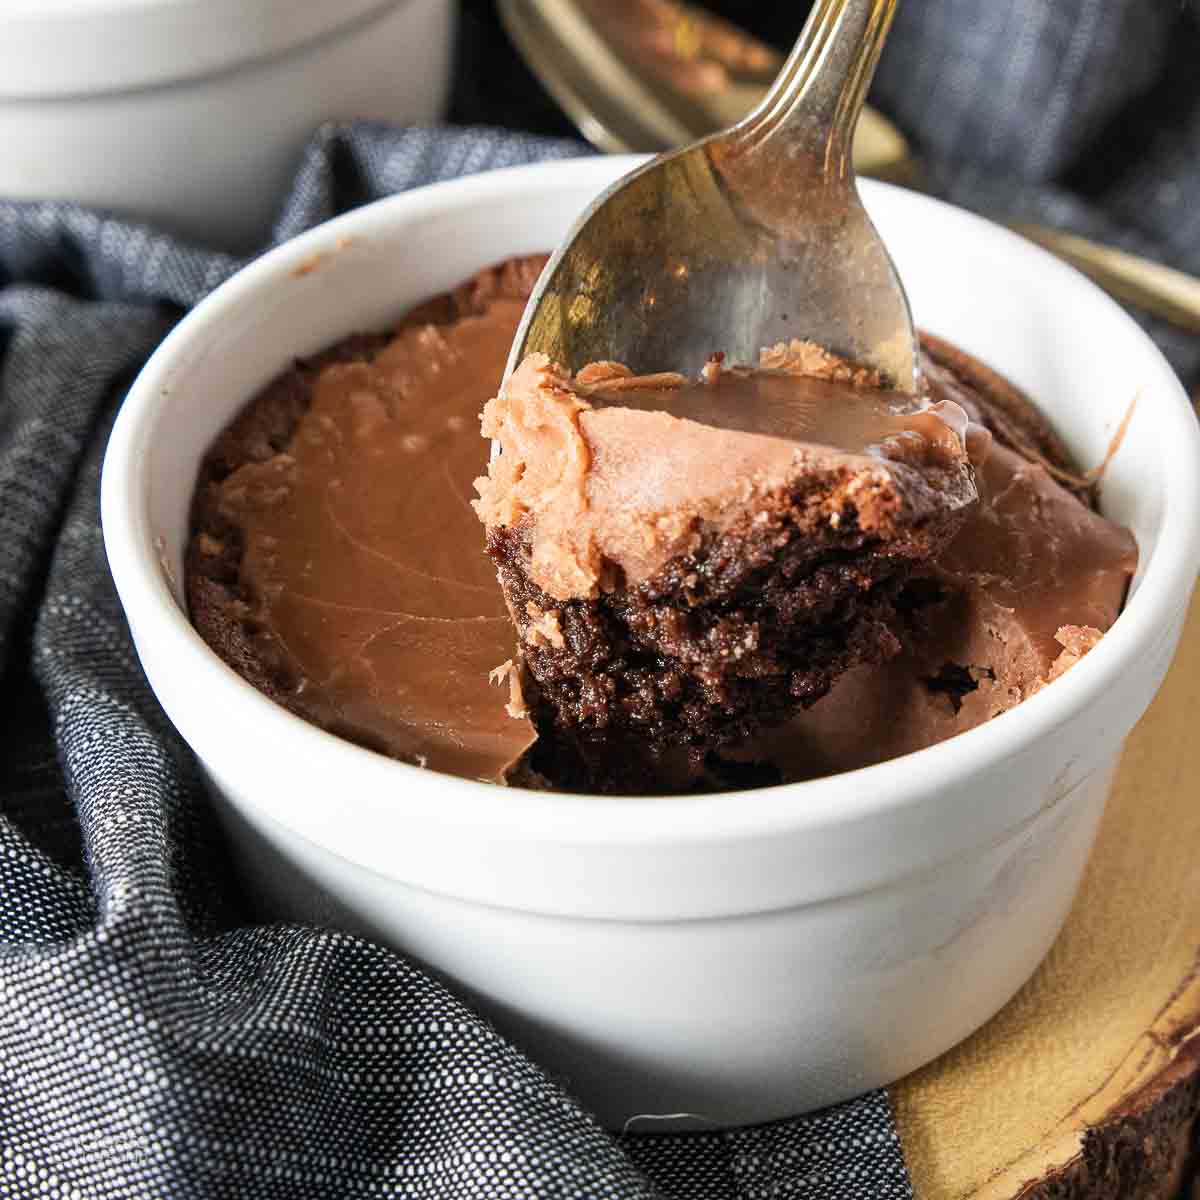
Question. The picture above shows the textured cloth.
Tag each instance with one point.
(153, 1042)
(1083, 114)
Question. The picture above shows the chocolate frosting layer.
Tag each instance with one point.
(361, 587)
(1028, 586)
(609, 476)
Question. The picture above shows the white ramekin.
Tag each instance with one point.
(737, 956)
(191, 113)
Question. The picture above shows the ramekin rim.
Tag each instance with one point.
(831, 800)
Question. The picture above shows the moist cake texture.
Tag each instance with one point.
(336, 564)
(1029, 585)
(686, 581)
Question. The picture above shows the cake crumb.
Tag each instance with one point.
(516, 706)
(659, 381)
(602, 372)
(710, 373)
(807, 358)
(1076, 641)
(308, 266)
(544, 628)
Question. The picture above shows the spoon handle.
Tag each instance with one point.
(814, 104)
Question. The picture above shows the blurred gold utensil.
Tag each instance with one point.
(1172, 295)
(652, 75)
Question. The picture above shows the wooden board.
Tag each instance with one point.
(1106, 1036)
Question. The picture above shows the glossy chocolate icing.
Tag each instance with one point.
(1029, 585)
(362, 569)
(612, 475)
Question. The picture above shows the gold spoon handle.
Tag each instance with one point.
(1167, 293)
(815, 102)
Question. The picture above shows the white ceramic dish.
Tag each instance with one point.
(738, 957)
(191, 113)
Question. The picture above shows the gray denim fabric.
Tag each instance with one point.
(154, 1042)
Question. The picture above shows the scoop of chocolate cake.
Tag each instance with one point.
(689, 563)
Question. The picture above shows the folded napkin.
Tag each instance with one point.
(153, 1041)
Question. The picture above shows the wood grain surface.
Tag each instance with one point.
(1108, 1030)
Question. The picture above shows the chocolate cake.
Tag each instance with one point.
(337, 577)
(336, 564)
(687, 582)
(1029, 585)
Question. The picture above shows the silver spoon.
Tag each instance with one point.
(622, 107)
(748, 238)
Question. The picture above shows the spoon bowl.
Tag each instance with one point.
(748, 238)
(623, 104)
